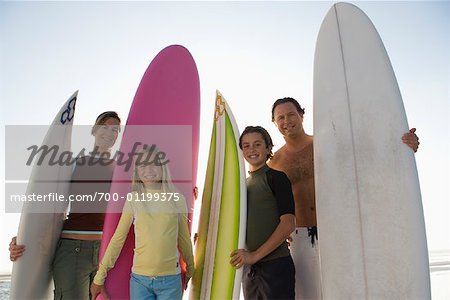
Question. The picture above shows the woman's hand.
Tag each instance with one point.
(15, 251)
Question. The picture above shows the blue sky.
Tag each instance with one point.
(253, 52)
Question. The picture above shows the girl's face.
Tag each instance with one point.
(255, 150)
(149, 174)
(106, 134)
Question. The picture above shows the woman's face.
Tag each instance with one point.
(106, 134)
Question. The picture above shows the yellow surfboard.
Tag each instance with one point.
(223, 214)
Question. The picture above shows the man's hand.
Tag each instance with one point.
(411, 139)
(289, 240)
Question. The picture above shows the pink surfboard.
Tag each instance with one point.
(165, 113)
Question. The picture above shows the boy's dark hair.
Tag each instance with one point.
(300, 110)
(265, 135)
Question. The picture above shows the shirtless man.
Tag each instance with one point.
(295, 159)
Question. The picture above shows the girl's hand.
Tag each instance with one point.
(186, 281)
(195, 192)
(98, 289)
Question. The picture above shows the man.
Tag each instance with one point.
(295, 159)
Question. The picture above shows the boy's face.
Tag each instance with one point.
(254, 149)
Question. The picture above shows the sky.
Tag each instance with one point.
(253, 52)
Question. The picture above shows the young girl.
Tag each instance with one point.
(159, 215)
(76, 257)
(269, 271)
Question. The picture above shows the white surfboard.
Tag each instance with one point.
(369, 208)
(41, 222)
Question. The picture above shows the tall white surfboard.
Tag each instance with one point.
(369, 208)
(41, 222)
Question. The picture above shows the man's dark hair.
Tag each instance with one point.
(300, 110)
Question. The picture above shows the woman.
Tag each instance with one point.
(76, 258)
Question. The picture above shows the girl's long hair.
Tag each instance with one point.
(167, 186)
(137, 185)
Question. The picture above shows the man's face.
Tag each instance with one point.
(288, 120)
